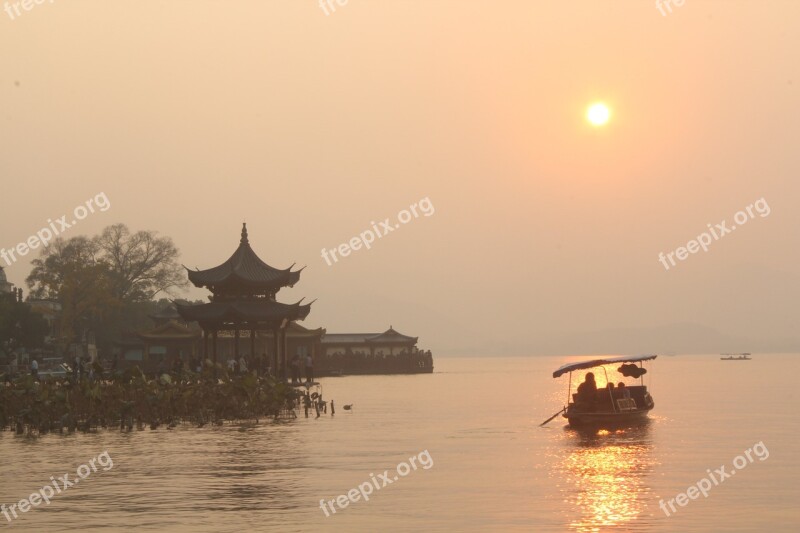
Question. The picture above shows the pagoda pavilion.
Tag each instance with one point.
(243, 301)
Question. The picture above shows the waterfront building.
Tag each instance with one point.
(389, 352)
(244, 290)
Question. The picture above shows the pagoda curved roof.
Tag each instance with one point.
(262, 310)
(390, 336)
(244, 267)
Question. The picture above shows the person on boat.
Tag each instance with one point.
(611, 394)
(622, 391)
(587, 390)
(588, 385)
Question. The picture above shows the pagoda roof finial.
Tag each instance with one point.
(244, 269)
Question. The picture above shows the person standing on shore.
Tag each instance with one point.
(296, 368)
(309, 369)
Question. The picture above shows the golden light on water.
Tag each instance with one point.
(598, 114)
(605, 478)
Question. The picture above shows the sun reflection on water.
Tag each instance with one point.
(602, 477)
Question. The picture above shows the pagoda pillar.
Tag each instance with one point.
(236, 343)
(214, 347)
(205, 345)
(253, 346)
(284, 374)
(275, 359)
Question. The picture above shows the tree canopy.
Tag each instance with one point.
(105, 282)
(20, 327)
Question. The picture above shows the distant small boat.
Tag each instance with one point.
(736, 357)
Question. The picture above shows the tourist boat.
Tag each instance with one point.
(736, 357)
(609, 407)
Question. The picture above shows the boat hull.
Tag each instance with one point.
(601, 420)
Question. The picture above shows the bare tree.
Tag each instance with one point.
(142, 264)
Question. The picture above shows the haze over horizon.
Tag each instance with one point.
(547, 230)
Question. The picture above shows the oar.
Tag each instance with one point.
(552, 417)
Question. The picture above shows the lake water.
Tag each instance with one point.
(493, 468)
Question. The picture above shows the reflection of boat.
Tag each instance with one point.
(736, 356)
(608, 406)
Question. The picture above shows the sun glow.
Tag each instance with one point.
(598, 114)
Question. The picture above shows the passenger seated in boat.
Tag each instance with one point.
(606, 396)
(622, 391)
(587, 391)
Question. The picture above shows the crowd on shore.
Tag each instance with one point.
(364, 362)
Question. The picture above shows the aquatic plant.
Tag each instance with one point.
(129, 398)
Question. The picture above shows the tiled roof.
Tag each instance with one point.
(246, 268)
(262, 310)
(390, 336)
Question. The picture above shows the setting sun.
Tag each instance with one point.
(598, 114)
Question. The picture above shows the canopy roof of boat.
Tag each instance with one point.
(580, 365)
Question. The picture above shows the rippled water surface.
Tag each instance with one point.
(493, 468)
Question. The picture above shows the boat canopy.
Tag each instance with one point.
(580, 365)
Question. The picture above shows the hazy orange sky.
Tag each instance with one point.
(194, 116)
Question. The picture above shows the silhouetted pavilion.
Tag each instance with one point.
(243, 299)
